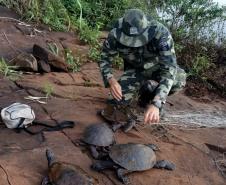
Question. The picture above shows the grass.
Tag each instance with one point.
(48, 89)
(200, 65)
(8, 71)
(53, 48)
(73, 62)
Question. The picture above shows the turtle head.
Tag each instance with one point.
(153, 147)
(50, 156)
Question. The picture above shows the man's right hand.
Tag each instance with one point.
(115, 88)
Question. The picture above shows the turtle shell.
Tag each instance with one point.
(98, 135)
(66, 174)
(133, 157)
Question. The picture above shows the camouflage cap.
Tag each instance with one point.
(132, 29)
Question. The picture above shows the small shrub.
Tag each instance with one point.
(48, 89)
(94, 53)
(73, 62)
(8, 71)
(200, 65)
(53, 48)
(88, 34)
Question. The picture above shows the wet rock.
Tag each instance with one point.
(25, 61)
(43, 66)
(54, 61)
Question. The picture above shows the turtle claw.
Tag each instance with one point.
(129, 125)
(102, 165)
(121, 173)
(116, 126)
(153, 147)
(50, 156)
(164, 164)
(94, 152)
(45, 181)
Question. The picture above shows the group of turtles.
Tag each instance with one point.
(123, 158)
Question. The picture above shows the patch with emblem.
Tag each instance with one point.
(164, 46)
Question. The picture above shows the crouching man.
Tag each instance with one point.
(150, 67)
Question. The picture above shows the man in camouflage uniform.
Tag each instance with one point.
(147, 48)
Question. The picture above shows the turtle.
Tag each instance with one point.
(61, 173)
(130, 157)
(99, 137)
(119, 114)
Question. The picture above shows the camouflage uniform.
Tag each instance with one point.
(147, 56)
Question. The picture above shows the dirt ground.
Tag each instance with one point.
(198, 150)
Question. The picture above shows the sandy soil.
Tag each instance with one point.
(192, 135)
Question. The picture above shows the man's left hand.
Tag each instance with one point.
(151, 115)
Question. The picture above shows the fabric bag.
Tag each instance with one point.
(17, 115)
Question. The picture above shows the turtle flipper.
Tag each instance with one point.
(129, 125)
(102, 165)
(164, 164)
(116, 126)
(121, 173)
(153, 147)
(94, 152)
(50, 157)
(46, 181)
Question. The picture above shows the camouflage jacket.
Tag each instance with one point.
(157, 55)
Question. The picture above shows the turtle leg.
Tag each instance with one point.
(121, 173)
(46, 181)
(117, 126)
(94, 152)
(102, 165)
(129, 125)
(164, 164)
(50, 157)
(103, 153)
(79, 142)
(153, 146)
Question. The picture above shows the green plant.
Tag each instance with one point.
(53, 48)
(200, 65)
(73, 62)
(8, 71)
(55, 14)
(48, 89)
(94, 53)
(88, 34)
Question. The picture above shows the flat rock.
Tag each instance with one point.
(53, 60)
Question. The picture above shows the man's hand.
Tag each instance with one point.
(115, 88)
(151, 115)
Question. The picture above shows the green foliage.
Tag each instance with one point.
(73, 62)
(55, 14)
(53, 48)
(190, 21)
(8, 71)
(48, 89)
(200, 65)
(94, 53)
(103, 12)
(193, 26)
(87, 34)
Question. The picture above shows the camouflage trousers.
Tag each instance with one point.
(131, 81)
